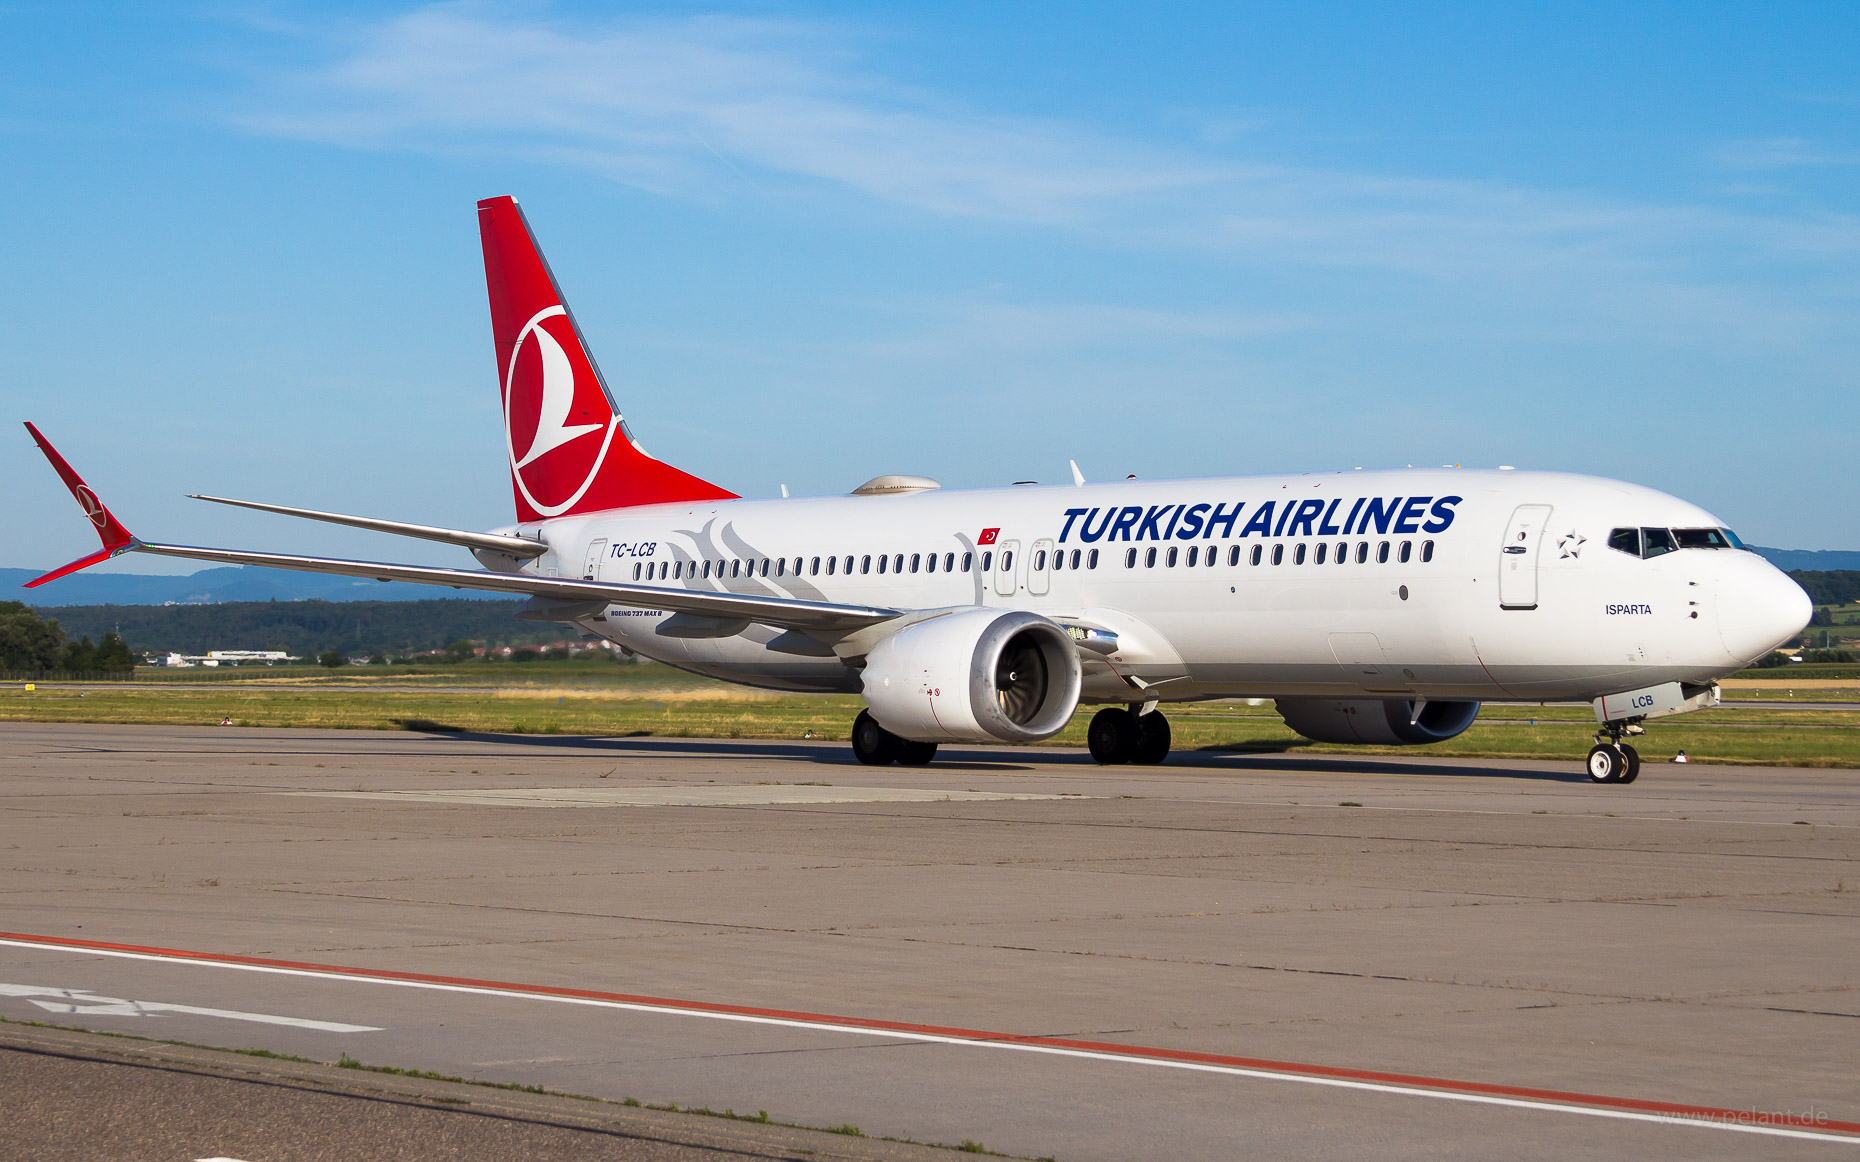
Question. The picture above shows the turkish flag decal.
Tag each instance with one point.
(988, 536)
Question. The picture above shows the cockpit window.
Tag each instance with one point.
(1656, 541)
(1706, 539)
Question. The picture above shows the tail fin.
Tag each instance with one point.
(570, 452)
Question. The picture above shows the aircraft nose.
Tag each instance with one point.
(1759, 606)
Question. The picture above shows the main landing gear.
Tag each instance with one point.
(875, 746)
(1610, 759)
(1121, 735)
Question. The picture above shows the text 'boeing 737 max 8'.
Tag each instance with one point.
(1375, 607)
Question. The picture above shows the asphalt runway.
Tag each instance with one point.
(1225, 956)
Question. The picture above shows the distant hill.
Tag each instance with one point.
(1814, 560)
(305, 628)
(225, 583)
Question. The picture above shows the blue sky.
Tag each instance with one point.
(814, 243)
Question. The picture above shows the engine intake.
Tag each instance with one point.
(979, 676)
(1376, 721)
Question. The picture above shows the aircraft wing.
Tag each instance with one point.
(780, 611)
(777, 611)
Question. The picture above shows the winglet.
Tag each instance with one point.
(116, 539)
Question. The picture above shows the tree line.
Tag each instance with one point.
(30, 642)
(311, 628)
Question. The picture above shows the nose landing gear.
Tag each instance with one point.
(1613, 761)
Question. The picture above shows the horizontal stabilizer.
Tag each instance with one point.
(521, 548)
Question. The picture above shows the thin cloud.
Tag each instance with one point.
(1780, 153)
(711, 108)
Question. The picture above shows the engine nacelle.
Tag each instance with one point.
(983, 675)
(1381, 722)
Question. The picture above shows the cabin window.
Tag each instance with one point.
(967, 561)
(813, 567)
(1427, 551)
(1625, 541)
(1257, 553)
(988, 560)
(1343, 552)
(1172, 556)
(1059, 559)
(1091, 559)
(1382, 553)
(949, 562)
(1407, 550)
(781, 568)
(883, 561)
(765, 566)
(1209, 556)
(897, 563)
(1039, 560)
(736, 567)
(1130, 558)
(636, 570)
(917, 560)
(1319, 558)
(1278, 554)
(865, 564)
(929, 562)
(797, 566)
(1193, 556)
(1007, 561)
(1298, 554)
(1233, 555)
(831, 562)
(1362, 551)
(1149, 559)
(848, 569)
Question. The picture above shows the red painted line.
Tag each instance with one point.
(982, 1036)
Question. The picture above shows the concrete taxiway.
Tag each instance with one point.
(1282, 956)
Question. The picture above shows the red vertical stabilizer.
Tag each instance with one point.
(570, 452)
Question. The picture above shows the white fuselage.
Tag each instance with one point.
(1494, 585)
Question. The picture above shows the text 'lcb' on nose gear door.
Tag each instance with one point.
(1517, 558)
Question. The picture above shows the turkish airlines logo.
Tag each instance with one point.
(988, 536)
(542, 393)
(93, 508)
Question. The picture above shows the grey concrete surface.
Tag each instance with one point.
(1689, 938)
(75, 1096)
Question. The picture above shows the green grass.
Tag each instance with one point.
(700, 708)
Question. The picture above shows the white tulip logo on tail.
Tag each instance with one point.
(553, 487)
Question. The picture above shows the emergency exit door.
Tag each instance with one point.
(591, 569)
(1517, 557)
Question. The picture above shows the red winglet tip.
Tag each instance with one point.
(109, 530)
(81, 563)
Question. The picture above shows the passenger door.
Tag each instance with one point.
(1517, 557)
(1007, 560)
(1038, 576)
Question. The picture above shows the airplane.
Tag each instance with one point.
(1378, 607)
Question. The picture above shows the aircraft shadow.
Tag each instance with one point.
(839, 754)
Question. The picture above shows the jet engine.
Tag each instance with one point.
(1381, 722)
(983, 675)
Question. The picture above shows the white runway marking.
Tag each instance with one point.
(90, 1005)
(1756, 1123)
(672, 796)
